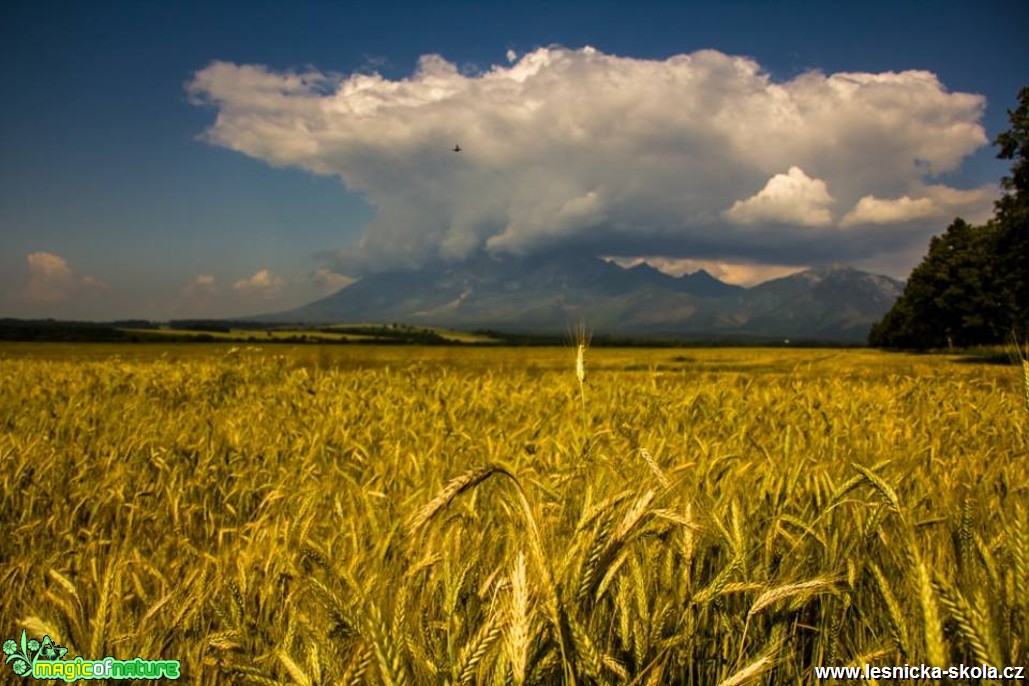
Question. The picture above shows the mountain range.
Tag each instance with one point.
(548, 294)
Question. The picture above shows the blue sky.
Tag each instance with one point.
(120, 197)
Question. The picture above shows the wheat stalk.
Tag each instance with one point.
(102, 615)
(935, 647)
(804, 588)
(885, 490)
(957, 607)
(751, 672)
(518, 626)
(582, 341)
(1025, 381)
(295, 671)
(475, 650)
(898, 628)
(580, 363)
(454, 488)
(655, 468)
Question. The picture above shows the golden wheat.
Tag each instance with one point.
(383, 515)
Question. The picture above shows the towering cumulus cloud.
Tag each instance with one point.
(700, 156)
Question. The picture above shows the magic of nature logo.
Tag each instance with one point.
(44, 659)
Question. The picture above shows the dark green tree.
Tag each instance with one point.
(972, 288)
(951, 297)
(1012, 215)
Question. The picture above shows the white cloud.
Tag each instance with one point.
(938, 202)
(201, 285)
(263, 284)
(91, 282)
(329, 281)
(872, 210)
(741, 274)
(790, 198)
(974, 205)
(51, 279)
(609, 154)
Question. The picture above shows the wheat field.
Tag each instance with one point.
(403, 515)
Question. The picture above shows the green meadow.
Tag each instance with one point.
(464, 515)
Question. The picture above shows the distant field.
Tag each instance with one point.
(349, 333)
(330, 514)
(214, 331)
(247, 335)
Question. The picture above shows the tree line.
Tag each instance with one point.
(972, 288)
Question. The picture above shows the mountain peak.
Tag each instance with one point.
(701, 283)
(644, 267)
(545, 293)
(832, 268)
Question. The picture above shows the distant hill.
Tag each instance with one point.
(545, 294)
